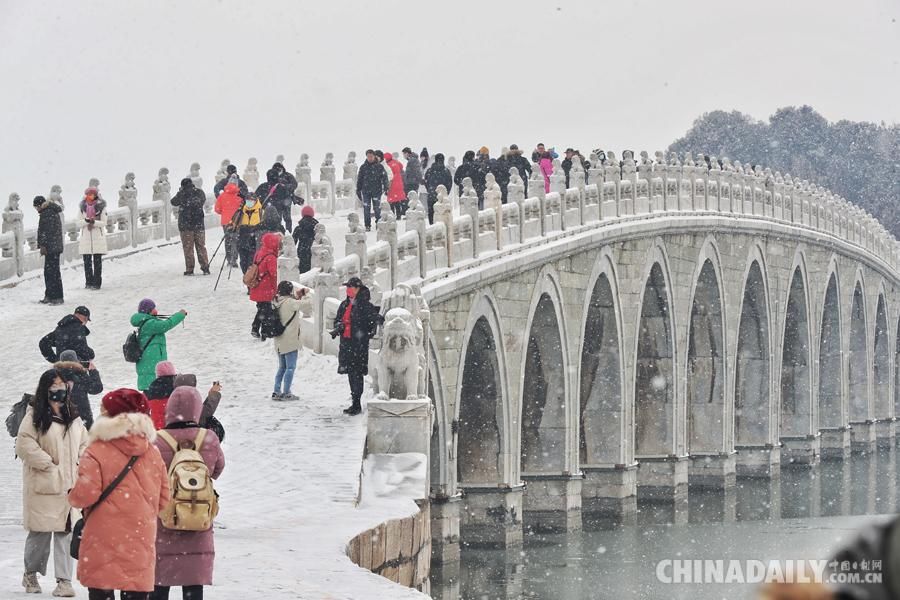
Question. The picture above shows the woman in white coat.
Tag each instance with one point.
(92, 241)
(289, 302)
(51, 438)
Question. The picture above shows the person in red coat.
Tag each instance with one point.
(267, 261)
(396, 193)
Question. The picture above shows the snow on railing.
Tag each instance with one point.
(604, 194)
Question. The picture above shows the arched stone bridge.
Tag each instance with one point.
(656, 326)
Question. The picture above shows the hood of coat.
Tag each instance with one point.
(231, 188)
(138, 318)
(271, 243)
(439, 159)
(131, 433)
(185, 405)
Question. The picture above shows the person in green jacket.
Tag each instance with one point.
(155, 348)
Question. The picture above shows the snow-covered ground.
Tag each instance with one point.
(292, 471)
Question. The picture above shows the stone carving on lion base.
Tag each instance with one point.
(401, 367)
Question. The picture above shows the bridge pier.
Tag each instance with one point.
(862, 436)
(491, 516)
(800, 449)
(663, 478)
(610, 494)
(445, 530)
(758, 461)
(885, 432)
(716, 471)
(759, 500)
(834, 443)
(552, 503)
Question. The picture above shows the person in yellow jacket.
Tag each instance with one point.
(248, 230)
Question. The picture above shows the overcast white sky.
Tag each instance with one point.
(98, 88)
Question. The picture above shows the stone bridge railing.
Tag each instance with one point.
(604, 195)
(131, 224)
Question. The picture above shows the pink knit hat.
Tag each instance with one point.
(165, 369)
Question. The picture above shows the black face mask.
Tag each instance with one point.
(57, 395)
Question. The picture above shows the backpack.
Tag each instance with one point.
(251, 276)
(194, 502)
(271, 325)
(132, 349)
(17, 415)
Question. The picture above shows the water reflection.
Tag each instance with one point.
(802, 514)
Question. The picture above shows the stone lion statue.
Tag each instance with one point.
(400, 373)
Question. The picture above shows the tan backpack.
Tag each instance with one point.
(194, 502)
(251, 277)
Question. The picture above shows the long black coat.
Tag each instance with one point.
(49, 233)
(84, 384)
(304, 234)
(466, 169)
(353, 354)
(70, 334)
(371, 179)
(521, 164)
(190, 202)
(437, 175)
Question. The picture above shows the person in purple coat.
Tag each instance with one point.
(185, 558)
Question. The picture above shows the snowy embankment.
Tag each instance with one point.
(291, 480)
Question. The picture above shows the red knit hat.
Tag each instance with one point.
(307, 211)
(125, 400)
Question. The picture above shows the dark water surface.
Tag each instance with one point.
(806, 514)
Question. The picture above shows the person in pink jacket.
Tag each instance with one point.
(118, 550)
(185, 558)
(546, 165)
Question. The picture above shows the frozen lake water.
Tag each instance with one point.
(807, 514)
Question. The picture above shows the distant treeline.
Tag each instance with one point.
(857, 160)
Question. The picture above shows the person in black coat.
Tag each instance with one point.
(356, 322)
(85, 381)
(371, 182)
(192, 225)
(517, 160)
(437, 174)
(466, 169)
(303, 235)
(70, 334)
(273, 192)
(231, 177)
(50, 243)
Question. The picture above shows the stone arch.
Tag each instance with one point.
(705, 397)
(881, 365)
(796, 359)
(482, 409)
(602, 432)
(752, 387)
(545, 391)
(442, 483)
(654, 381)
(830, 364)
(857, 356)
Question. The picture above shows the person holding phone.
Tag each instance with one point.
(288, 304)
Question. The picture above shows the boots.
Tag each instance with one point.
(354, 409)
(30, 583)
